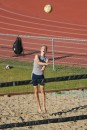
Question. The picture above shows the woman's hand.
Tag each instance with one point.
(43, 68)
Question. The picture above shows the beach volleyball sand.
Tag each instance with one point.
(23, 108)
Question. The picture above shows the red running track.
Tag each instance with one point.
(67, 19)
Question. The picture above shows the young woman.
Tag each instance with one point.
(40, 63)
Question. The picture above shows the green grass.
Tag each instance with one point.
(22, 71)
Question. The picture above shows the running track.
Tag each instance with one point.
(67, 19)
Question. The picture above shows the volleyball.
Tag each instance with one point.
(48, 8)
(7, 67)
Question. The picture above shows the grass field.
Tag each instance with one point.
(22, 71)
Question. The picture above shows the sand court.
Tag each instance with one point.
(70, 106)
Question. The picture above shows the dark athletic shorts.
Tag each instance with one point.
(38, 79)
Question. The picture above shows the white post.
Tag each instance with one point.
(53, 52)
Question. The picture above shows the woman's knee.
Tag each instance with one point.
(42, 89)
(35, 89)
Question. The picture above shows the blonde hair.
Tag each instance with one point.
(45, 46)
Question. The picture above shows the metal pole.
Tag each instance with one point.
(53, 53)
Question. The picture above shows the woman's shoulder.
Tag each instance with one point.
(37, 57)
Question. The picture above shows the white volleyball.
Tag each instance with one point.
(48, 8)
(7, 67)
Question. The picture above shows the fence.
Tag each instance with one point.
(62, 50)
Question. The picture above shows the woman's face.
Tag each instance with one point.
(43, 50)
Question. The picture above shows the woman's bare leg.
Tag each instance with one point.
(37, 98)
(43, 98)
